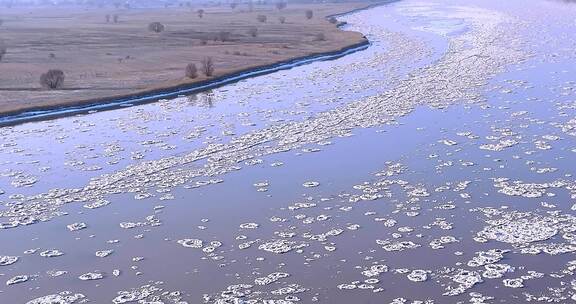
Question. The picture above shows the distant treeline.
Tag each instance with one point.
(155, 3)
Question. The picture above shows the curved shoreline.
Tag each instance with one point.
(153, 95)
(51, 112)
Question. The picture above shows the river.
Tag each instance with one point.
(436, 166)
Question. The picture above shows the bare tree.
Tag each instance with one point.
(53, 79)
(233, 5)
(224, 36)
(309, 14)
(208, 66)
(156, 27)
(107, 18)
(3, 50)
(282, 19)
(253, 32)
(262, 18)
(116, 18)
(281, 5)
(191, 71)
(200, 13)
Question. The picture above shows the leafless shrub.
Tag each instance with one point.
(53, 79)
(253, 32)
(116, 18)
(224, 36)
(3, 51)
(208, 66)
(191, 71)
(203, 42)
(238, 53)
(309, 14)
(262, 18)
(156, 27)
(282, 19)
(320, 37)
(52, 56)
(200, 13)
(107, 18)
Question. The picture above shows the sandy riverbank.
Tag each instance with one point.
(108, 61)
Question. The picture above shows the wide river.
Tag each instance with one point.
(436, 166)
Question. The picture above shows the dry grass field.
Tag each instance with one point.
(103, 59)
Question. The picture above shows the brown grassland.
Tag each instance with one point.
(103, 60)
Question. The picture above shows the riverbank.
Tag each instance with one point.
(139, 79)
(113, 102)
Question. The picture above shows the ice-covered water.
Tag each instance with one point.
(434, 167)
